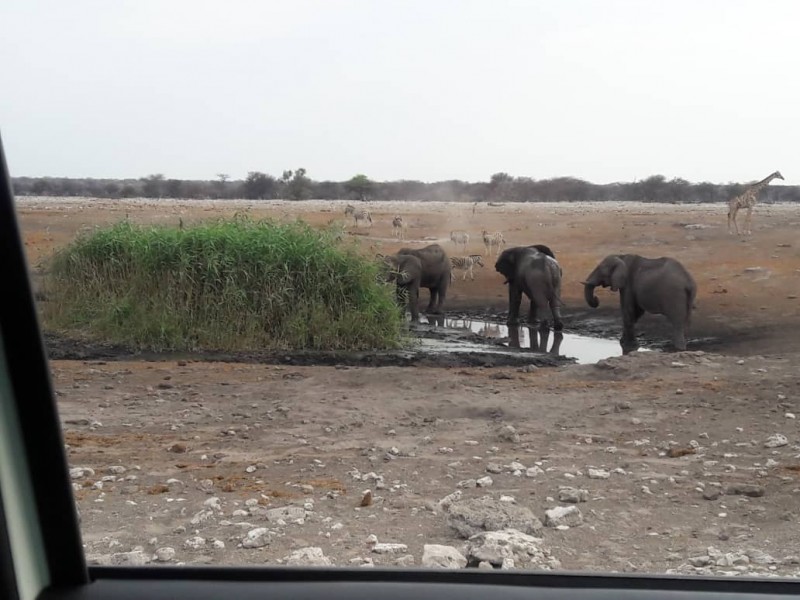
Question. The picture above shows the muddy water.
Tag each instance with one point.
(584, 349)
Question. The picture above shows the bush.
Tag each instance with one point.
(226, 285)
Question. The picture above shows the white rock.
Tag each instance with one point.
(776, 440)
(116, 470)
(81, 472)
(533, 472)
(194, 543)
(218, 545)
(599, 474)
(510, 547)
(311, 556)
(164, 554)
(256, 538)
(448, 500)
(563, 515)
(442, 557)
(285, 513)
(484, 481)
(388, 548)
(201, 517)
(213, 502)
(572, 495)
(789, 415)
(135, 558)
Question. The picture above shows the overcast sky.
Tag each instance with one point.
(415, 89)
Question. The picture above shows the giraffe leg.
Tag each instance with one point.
(732, 219)
(747, 221)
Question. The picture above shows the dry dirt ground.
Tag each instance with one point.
(690, 461)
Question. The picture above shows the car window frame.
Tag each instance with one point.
(55, 510)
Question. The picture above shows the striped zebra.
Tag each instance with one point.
(460, 238)
(493, 240)
(399, 227)
(358, 214)
(465, 263)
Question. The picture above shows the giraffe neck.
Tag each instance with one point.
(764, 182)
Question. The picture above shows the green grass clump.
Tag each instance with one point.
(226, 285)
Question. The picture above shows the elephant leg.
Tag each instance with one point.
(413, 302)
(630, 315)
(514, 299)
(555, 308)
(678, 322)
(432, 302)
(442, 294)
(538, 299)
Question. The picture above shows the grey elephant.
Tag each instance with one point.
(534, 272)
(660, 286)
(433, 272)
(406, 272)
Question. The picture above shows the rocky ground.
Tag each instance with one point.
(653, 462)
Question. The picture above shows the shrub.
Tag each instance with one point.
(225, 285)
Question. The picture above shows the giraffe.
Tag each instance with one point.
(747, 199)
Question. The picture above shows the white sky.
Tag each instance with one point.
(604, 90)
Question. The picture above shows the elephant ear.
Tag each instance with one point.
(619, 275)
(506, 263)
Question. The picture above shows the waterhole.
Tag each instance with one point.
(469, 335)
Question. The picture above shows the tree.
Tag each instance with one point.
(153, 186)
(360, 186)
(222, 178)
(258, 186)
(299, 187)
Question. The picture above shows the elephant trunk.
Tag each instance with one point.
(588, 292)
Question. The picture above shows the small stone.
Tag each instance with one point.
(218, 545)
(285, 513)
(135, 558)
(563, 515)
(508, 434)
(366, 498)
(442, 557)
(388, 548)
(776, 440)
(599, 474)
(164, 554)
(256, 538)
(311, 556)
(194, 543)
(405, 561)
(533, 472)
(494, 468)
(484, 481)
(177, 448)
(745, 489)
(572, 495)
(789, 415)
(711, 493)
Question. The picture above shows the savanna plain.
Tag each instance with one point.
(685, 462)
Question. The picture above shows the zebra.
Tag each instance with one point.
(399, 227)
(495, 240)
(358, 214)
(459, 237)
(465, 263)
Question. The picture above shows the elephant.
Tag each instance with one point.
(534, 271)
(660, 286)
(406, 271)
(432, 272)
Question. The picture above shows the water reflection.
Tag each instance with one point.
(538, 339)
(585, 349)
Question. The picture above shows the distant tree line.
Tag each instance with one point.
(296, 185)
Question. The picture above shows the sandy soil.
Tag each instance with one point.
(161, 438)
